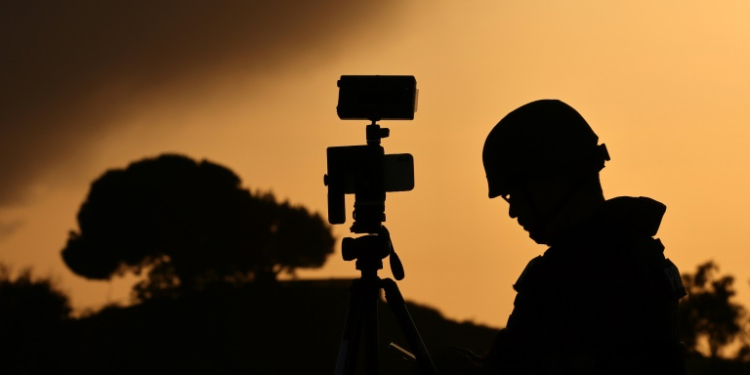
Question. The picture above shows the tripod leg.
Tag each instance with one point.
(347, 358)
(396, 303)
(371, 296)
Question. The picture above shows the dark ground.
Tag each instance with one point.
(284, 328)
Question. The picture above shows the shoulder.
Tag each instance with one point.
(552, 276)
(635, 266)
(530, 276)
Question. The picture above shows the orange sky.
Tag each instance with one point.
(664, 84)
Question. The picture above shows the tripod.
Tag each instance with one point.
(362, 314)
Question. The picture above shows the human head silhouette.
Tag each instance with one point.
(543, 158)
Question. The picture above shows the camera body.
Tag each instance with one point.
(365, 170)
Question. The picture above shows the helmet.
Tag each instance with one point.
(542, 138)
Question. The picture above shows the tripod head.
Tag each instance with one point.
(370, 250)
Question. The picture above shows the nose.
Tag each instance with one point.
(512, 210)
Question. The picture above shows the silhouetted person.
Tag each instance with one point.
(602, 299)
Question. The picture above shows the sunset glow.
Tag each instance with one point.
(665, 85)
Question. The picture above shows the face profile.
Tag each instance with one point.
(520, 208)
(535, 205)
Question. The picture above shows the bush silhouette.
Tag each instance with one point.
(32, 315)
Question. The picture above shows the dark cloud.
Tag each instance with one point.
(59, 61)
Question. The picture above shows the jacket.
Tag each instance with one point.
(602, 300)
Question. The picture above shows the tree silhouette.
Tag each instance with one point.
(32, 313)
(190, 223)
(708, 311)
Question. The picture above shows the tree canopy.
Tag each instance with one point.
(190, 223)
(708, 311)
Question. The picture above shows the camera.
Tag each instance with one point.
(377, 98)
(365, 170)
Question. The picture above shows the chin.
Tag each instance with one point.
(537, 237)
